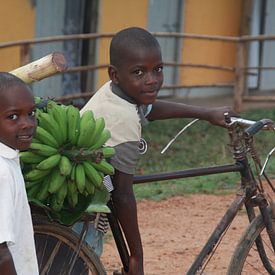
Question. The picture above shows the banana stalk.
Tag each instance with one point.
(41, 68)
(78, 155)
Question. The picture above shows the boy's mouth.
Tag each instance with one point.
(150, 93)
(25, 138)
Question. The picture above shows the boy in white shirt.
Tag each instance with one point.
(17, 127)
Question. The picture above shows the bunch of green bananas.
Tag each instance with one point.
(67, 156)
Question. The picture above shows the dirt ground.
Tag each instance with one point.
(174, 230)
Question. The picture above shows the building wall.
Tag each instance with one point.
(113, 18)
(210, 17)
(214, 17)
(16, 22)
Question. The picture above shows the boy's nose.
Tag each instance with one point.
(151, 78)
(28, 122)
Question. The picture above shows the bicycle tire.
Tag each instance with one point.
(246, 256)
(55, 246)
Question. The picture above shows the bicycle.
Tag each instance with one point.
(257, 242)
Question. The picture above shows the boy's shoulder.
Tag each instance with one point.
(105, 103)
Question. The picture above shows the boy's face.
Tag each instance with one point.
(17, 117)
(140, 74)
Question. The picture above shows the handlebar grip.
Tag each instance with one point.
(256, 127)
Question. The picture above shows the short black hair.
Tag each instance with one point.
(8, 80)
(130, 38)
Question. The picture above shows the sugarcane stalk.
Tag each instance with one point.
(44, 67)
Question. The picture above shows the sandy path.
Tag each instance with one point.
(174, 231)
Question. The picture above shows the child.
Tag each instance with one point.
(17, 127)
(127, 102)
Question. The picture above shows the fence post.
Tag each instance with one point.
(240, 79)
(242, 56)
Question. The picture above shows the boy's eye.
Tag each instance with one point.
(159, 69)
(32, 113)
(13, 117)
(138, 72)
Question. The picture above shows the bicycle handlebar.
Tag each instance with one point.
(253, 129)
(253, 126)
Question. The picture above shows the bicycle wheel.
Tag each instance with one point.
(56, 246)
(246, 258)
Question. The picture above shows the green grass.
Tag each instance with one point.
(201, 145)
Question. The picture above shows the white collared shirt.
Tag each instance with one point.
(16, 224)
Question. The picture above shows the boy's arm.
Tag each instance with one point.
(166, 109)
(126, 209)
(6, 262)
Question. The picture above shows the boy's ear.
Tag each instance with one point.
(112, 71)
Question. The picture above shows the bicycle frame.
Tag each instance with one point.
(244, 197)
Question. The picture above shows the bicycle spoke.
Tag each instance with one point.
(255, 269)
(48, 264)
(254, 261)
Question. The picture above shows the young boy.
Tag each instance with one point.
(126, 103)
(17, 127)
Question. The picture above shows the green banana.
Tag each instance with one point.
(48, 122)
(30, 184)
(55, 204)
(43, 192)
(30, 157)
(49, 162)
(37, 99)
(32, 191)
(104, 167)
(72, 174)
(80, 177)
(65, 166)
(56, 181)
(105, 135)
(108, 151)
(62, 193)
(89, 187)
(35, 140)
(60, 115)
(42, 149)
(45, 137)
(35, 174)
(86, 129)
(72, 195)
(99, 126)
(92, 174)
(73, 120)
(38, 112)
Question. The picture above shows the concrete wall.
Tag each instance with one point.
(213, 17)
(210, 17)
(17, 19)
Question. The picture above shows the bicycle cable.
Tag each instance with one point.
(181, 131)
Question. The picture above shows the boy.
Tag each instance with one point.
(126, 103)
(17, 127)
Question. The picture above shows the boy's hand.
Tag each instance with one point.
(216, 115)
